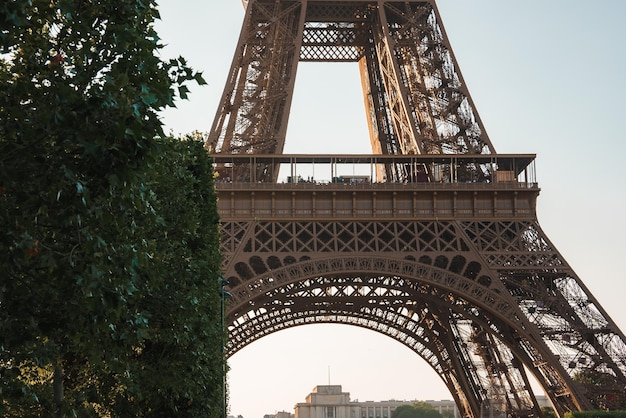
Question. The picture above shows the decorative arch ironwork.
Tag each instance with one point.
(439, 314)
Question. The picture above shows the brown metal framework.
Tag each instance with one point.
(437, 245)
(416, 99)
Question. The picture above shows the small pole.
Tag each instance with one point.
(223, 295)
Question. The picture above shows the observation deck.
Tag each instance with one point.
(333, 186)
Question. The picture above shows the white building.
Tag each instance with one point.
(329, 401)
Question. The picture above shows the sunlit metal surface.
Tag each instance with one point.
(434, 242)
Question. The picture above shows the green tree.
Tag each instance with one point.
(108, 236)
(184, 347)
(548, 412)
(416, 410)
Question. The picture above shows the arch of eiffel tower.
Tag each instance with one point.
(435, 243)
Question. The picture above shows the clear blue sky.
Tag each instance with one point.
(547, 77)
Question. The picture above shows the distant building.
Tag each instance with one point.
(329, 401)
(281, 414)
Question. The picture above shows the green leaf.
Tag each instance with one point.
(183, 92)
(199, 79)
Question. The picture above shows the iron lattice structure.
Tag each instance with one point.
(438, 247)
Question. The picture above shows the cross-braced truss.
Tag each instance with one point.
(417, 102)
(443, 254)
(509, 299)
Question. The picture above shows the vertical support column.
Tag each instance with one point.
(254, 109)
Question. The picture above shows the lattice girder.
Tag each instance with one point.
(438, 102)
(416, 314)
(453, 265)
(570, 320)
(283, 250)
(254, 108)
(433, 241)
(414, 93)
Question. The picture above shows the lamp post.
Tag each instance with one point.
(223, 296)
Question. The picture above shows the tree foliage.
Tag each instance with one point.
(596, 414)
(109, 301)
(548, 412)
(416, 410)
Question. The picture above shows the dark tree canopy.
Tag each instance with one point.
(416, 410)
(109, 301)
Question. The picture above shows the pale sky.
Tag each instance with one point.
(547, 77)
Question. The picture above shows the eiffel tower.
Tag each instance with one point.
(435, 243)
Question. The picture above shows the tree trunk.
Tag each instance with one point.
(57, 385)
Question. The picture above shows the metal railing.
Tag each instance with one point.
(367, 171)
